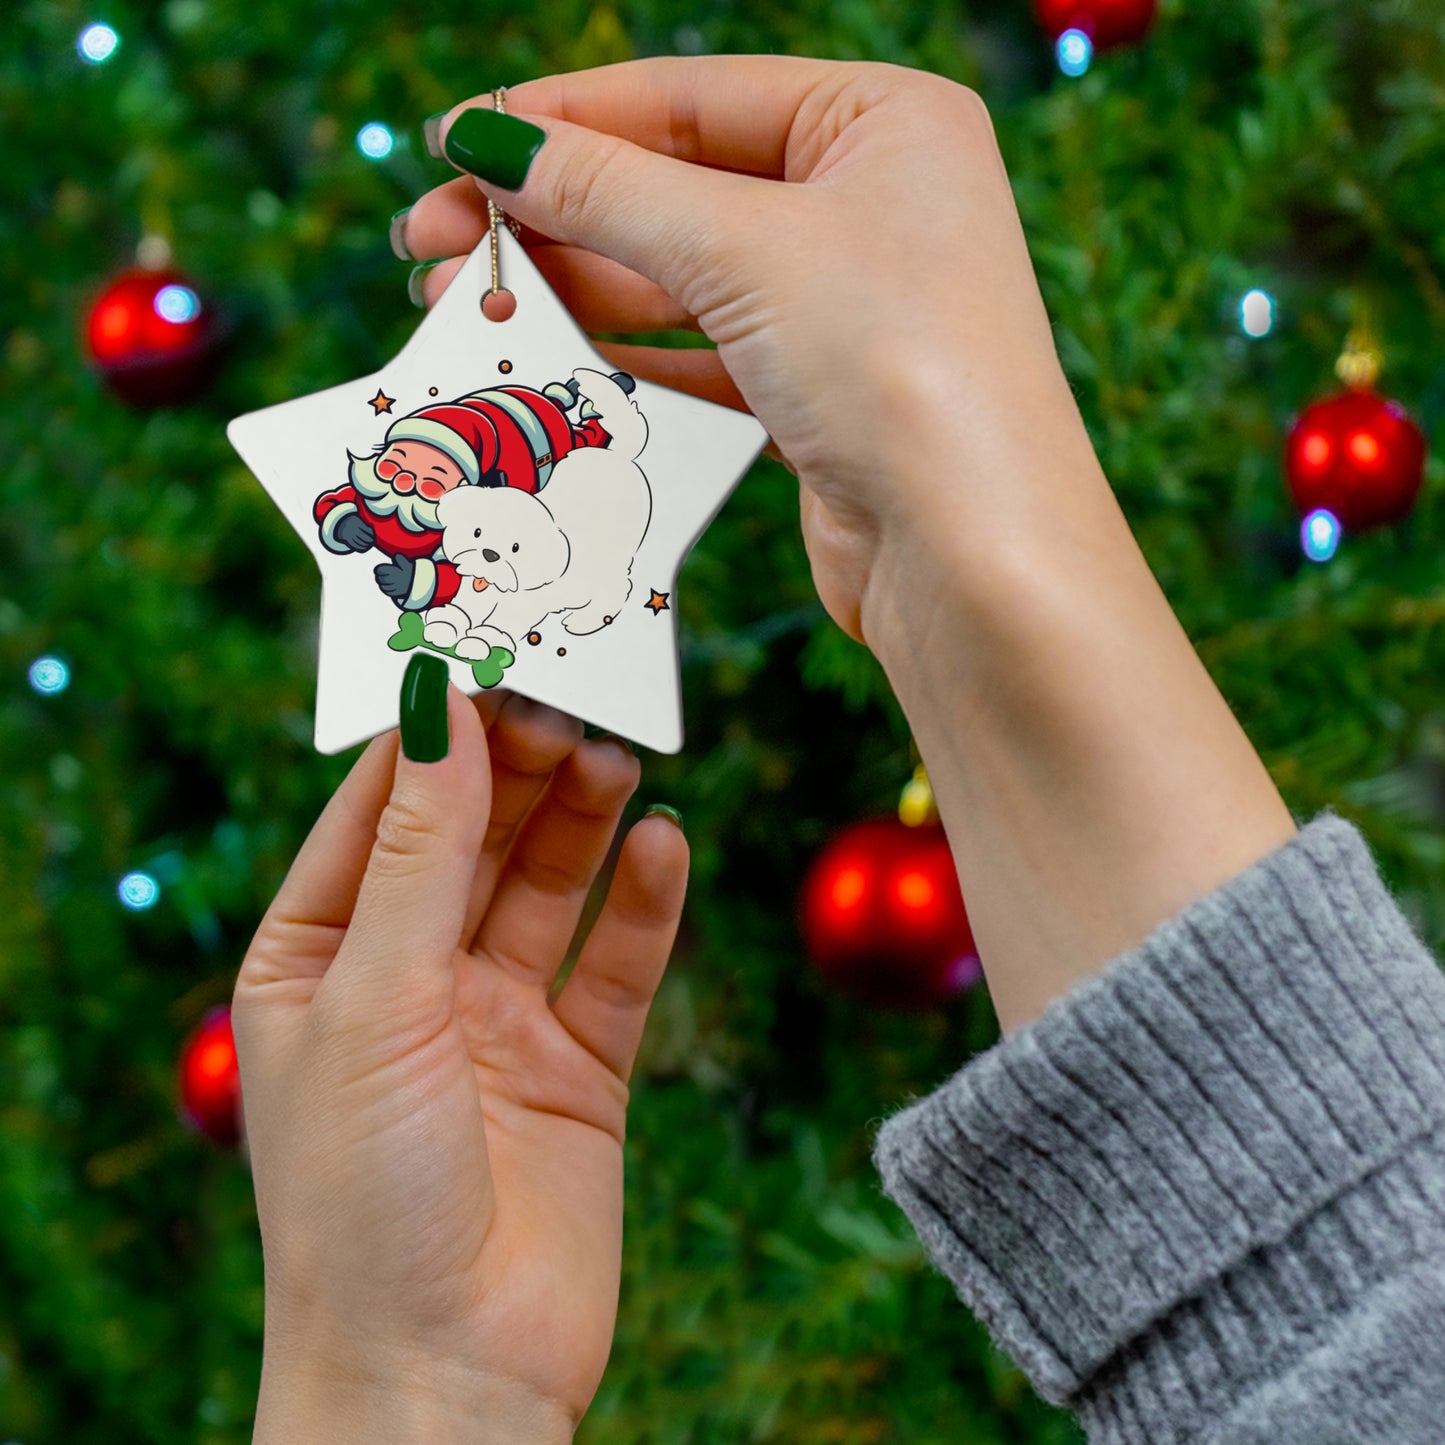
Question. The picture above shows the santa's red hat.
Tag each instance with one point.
(452, 427)
(513, 429)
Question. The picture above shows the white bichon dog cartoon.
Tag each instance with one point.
(567, 549)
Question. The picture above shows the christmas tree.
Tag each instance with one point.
(158, 630)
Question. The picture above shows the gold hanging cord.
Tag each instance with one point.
(495, 214)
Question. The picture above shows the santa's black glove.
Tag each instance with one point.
(394, 578)
(354, 534)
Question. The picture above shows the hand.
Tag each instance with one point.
(848, 237)
(354, 533)
(436, 1147)
(878, 313)
(395, 577)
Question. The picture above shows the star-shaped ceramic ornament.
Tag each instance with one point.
(500, 496)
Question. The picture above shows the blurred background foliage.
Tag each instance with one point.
(770, 1292)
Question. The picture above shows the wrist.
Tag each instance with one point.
(419, 1401)
(981, 510)
(1092, 779)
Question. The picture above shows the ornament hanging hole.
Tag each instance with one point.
(499, 305)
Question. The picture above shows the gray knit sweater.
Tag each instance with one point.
(1202, 1199)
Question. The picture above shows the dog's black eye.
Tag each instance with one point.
(516, 546)
(477, 533)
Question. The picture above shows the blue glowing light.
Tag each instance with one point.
(49, 675)
(138, 891)
(375, 141)
(1320, 535)
(1075, 52)
(1256, 313)
(97, 43)
(178, 304)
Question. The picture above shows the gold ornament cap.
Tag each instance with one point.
(915, 804)
(1360, 362)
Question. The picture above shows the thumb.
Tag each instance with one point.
(395, 965)
(670, 221)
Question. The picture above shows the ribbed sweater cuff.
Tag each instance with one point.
(1173, 1120)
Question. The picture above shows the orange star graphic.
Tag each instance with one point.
(657, 602)
(380, 402)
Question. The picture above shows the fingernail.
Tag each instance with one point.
(413, 282)
(398, 235)
(605, 737)
(424, 736)
(431, 133)
(498, 148)
(671, 814)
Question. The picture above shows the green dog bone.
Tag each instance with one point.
(488, 670)
(409, 628)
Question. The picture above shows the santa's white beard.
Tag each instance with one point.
(414, 513)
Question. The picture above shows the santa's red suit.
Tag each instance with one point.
(508, 435)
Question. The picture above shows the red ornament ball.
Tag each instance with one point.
(1107, 23)
(1358, 456)
(210, 1081)
(883, 916)
(152, 338)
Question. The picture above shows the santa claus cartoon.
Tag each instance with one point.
(505, 436)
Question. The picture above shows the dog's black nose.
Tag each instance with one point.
(490, 555)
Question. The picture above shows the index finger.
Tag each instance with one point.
(734, 112)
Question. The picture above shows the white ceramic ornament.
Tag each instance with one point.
(502, 497)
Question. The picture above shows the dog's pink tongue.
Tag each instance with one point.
(480, 583)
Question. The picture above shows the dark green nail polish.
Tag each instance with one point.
(431, 133)
(397, 235)
(413, 282)
(424, 734)
(498, 148)
(671, 814)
